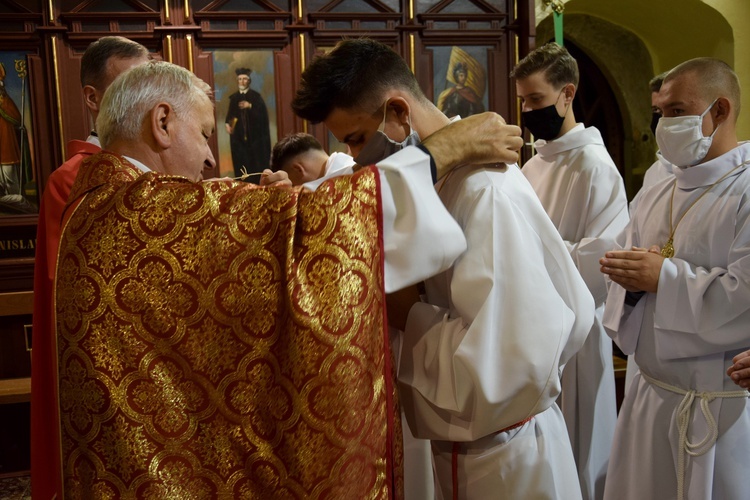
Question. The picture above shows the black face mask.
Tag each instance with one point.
(654, 122)
(544, 123)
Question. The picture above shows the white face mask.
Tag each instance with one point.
(380, 146)
(681, 141)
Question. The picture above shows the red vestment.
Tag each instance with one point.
(45, 432)
(219, 340)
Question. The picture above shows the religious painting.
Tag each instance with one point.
(246, 128)
(18, 183)
(460, 80)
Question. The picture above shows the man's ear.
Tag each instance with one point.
(721, 110)
(161, 116)
(91, 98)
(400, 107)
(569, 90)
(298, 167)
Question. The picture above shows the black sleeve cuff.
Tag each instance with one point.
(433, 167)
(632, 298)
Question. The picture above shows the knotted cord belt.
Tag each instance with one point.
(683, 417)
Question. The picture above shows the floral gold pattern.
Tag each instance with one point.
(219, 340)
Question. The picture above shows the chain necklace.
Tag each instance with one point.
(667, 250)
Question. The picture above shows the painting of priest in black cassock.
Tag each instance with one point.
(247, 126)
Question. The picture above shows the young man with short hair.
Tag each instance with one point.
(480, 360)
(303, 158)
(583, 193)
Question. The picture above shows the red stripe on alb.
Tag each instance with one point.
(454, 454)
(454, 460)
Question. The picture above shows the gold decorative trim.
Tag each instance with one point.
(27, 329)
(411, 9)
(51, 11)
(299, 10)
(58, 96)
(189, 39)
(515, 63)
(412, 57)
(187, 9)
(303, 65)
(15, 390)
(166, 10)
(556, 5)
(16, 303)
(169, 48)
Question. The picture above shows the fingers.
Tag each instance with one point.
(635, 254)
(617, 264)
(740, 377)
(513, 142)
(742, 356)
(626, 283)
(478, 139)
(270, 178)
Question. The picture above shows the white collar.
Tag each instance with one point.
(140, 166)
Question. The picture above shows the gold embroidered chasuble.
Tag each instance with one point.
(217, 340)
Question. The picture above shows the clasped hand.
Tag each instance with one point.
(636, 270)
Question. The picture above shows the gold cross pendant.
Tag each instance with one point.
(667, 251)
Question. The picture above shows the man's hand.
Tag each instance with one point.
(276, 179)
(636, 270)
(478, 139)
(739, 372)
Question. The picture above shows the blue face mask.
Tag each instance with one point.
(380, 146)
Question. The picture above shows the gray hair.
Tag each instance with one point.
(133, 94)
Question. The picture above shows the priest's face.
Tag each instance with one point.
(243, 82)
(191, 154)
(536, 92)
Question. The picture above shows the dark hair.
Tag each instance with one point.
(460, 67)
(655, 83)
(558, 65)
(291, 146)
(715, 79)
(355, 75)
(94, 60)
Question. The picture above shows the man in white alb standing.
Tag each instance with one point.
(583, 193)
(680, 301)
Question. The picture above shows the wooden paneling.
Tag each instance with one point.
(55, 33)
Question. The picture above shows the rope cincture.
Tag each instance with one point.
(683, 417)
(245, 175)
